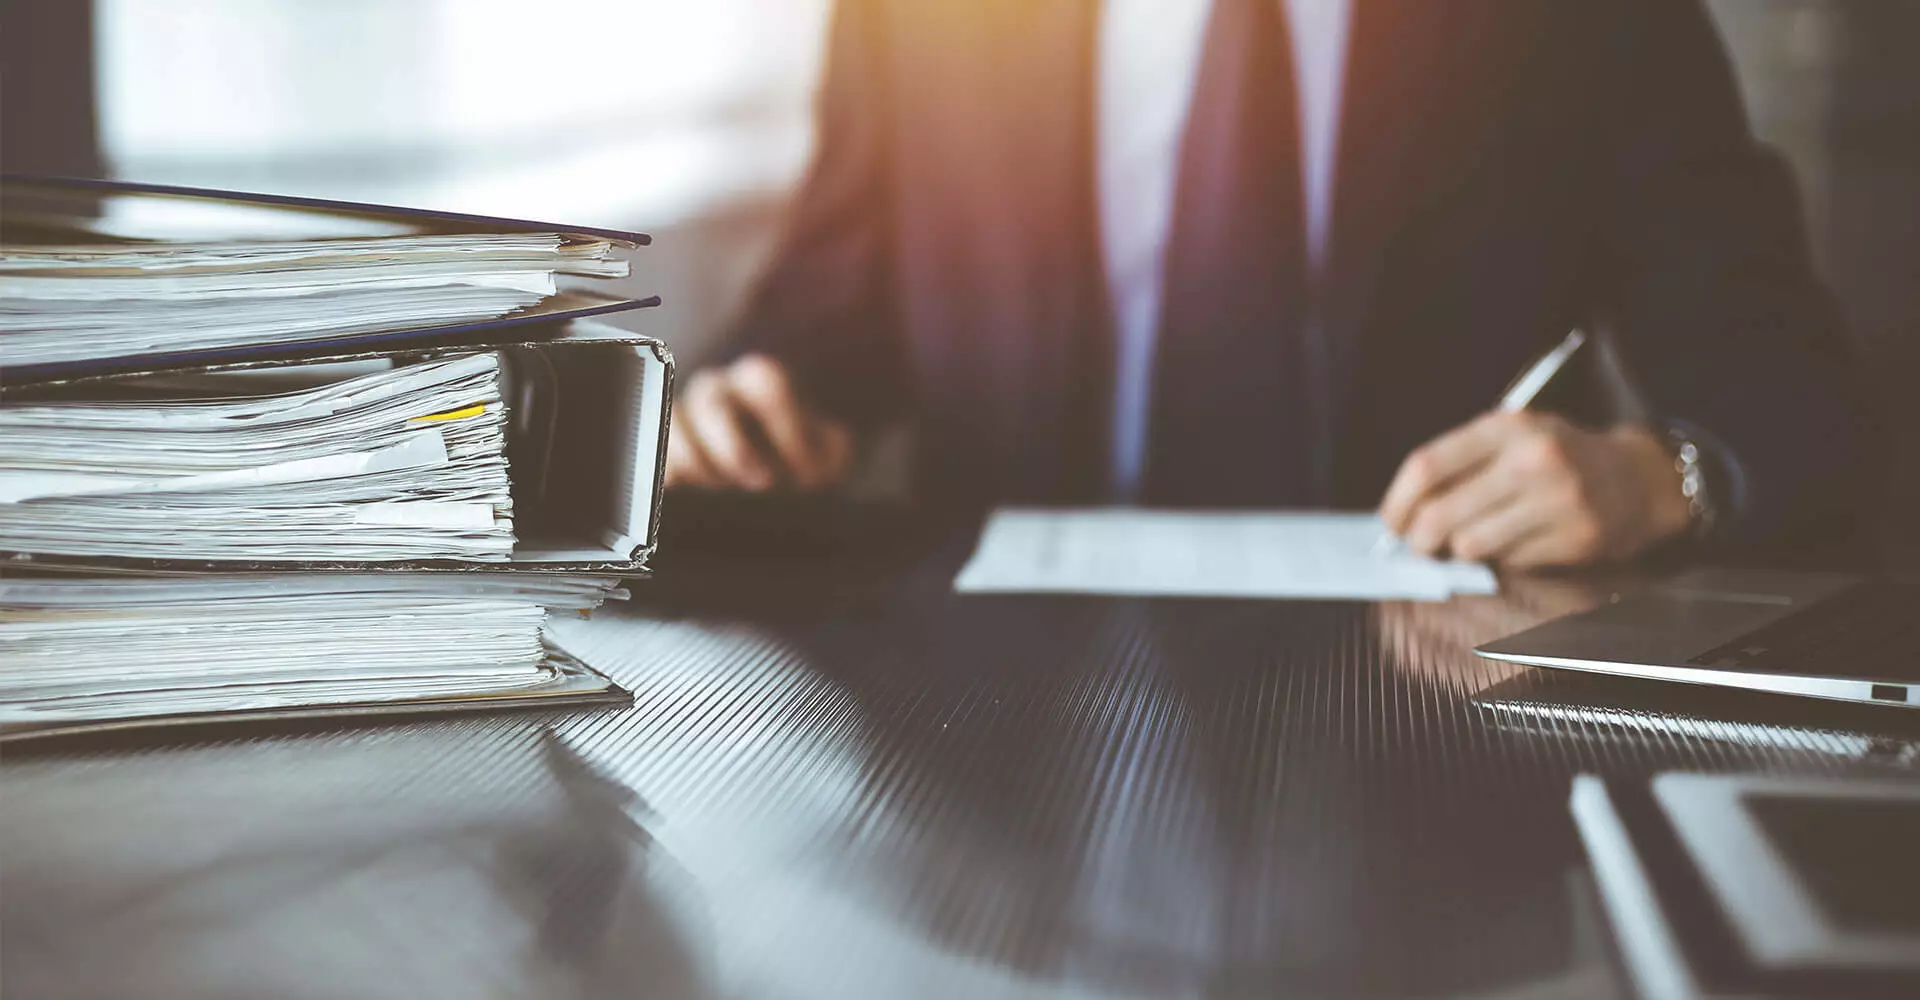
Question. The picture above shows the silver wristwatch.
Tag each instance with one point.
(1691, 463)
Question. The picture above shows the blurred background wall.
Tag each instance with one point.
(690, 119)
(1835, 86)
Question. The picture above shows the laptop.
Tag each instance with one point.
(1843, 638)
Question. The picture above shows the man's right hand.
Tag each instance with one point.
(741, 427)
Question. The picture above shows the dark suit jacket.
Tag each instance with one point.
(1507, 169)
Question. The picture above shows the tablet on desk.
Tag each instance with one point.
(1758, 886)
(1812, 874)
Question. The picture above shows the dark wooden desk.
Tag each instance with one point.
(843, 781)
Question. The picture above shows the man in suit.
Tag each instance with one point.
(1287, 253)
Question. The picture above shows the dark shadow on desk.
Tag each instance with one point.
(458, 859)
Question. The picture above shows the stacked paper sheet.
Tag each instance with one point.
(71, 303)
(408, 463)
(81, 652)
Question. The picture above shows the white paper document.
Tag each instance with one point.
(1265, 554)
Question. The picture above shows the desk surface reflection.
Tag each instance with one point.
(849, 782)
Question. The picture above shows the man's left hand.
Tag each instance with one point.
(1530, 490)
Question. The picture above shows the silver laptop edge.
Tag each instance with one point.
(1813, 687)
(1656, 633)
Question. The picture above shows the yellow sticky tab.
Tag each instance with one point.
(461, 414)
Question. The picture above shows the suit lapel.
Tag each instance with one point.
(1386, 99)
(1047, 158)
(1425, 83)
(1055, 178)
(1028, 219)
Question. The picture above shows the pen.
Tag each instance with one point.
(1518, 396)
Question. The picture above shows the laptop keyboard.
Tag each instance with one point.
(1869, 630)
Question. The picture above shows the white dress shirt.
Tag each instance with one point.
(1149, 58)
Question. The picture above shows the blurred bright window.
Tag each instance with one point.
(627, 112)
